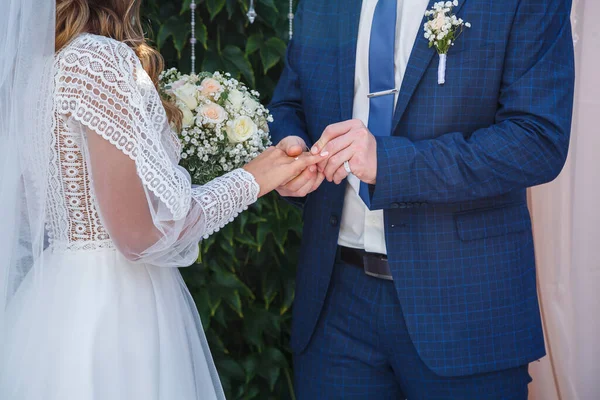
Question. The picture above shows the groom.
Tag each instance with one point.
(417, 274)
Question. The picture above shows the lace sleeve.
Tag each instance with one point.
(145, 199)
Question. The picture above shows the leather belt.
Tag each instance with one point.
(375, 265)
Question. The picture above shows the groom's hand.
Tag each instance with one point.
(347, 141)
(309, 180)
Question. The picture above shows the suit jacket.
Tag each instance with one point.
(451, 178)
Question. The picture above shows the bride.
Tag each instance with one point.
(98, 309)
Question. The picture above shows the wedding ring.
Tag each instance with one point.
(347, 167)
(297, 158)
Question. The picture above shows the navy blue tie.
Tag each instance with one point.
(381, 75)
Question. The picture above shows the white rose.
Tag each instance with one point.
(187, 94)
(214, 113)
(241, 129)
(188, 116)
(236, 99)
(251, 105)
(439, 21)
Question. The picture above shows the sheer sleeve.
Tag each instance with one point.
(146, 201)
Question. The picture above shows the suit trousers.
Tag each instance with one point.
(362, 349)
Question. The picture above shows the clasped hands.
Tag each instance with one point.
(344, 141)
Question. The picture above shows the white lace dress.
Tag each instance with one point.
(112, 318)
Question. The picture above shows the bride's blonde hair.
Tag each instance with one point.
(119, 20)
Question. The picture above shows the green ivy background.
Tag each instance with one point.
(243, 282)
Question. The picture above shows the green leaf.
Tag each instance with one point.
(185, 6)
(231, 368)
(251, 365)
(175, 29)
(261, 234)
(230, 8)
(212, 62)
(202, 301)
(254, 42)
(216, 343)
(202, 34)
(236, 62)
(270, 286)
(232, 297)
(289, 292)
(269, 3)
(228, 280)
(214, 7)
(271, 53)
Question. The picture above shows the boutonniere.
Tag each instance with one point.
(442, 29)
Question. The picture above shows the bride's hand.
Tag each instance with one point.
(274, 168)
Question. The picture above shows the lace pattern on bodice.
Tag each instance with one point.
(101, 87)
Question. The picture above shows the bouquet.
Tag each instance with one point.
(224, 124)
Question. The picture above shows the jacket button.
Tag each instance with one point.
(333, 221)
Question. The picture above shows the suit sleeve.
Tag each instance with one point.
(286, 106)
(527, 145)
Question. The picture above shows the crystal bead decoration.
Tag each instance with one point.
(251, 12)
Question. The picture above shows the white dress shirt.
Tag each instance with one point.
(360, 227)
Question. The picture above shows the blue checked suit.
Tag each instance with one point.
(451, 179)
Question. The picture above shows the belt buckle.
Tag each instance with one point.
(379, 276)
(374, 274)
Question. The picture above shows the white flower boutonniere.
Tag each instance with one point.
(442, 29)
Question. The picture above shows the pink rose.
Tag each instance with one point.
(210, 86)
(213, 113)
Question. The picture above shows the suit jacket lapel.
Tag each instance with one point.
(349, 17)
(419, 60)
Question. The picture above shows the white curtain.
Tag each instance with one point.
(566, 225)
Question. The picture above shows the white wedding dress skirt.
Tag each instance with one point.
(95, 326)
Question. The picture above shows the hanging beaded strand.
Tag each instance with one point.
(193, 38)
(251, 14)
(291, 18)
